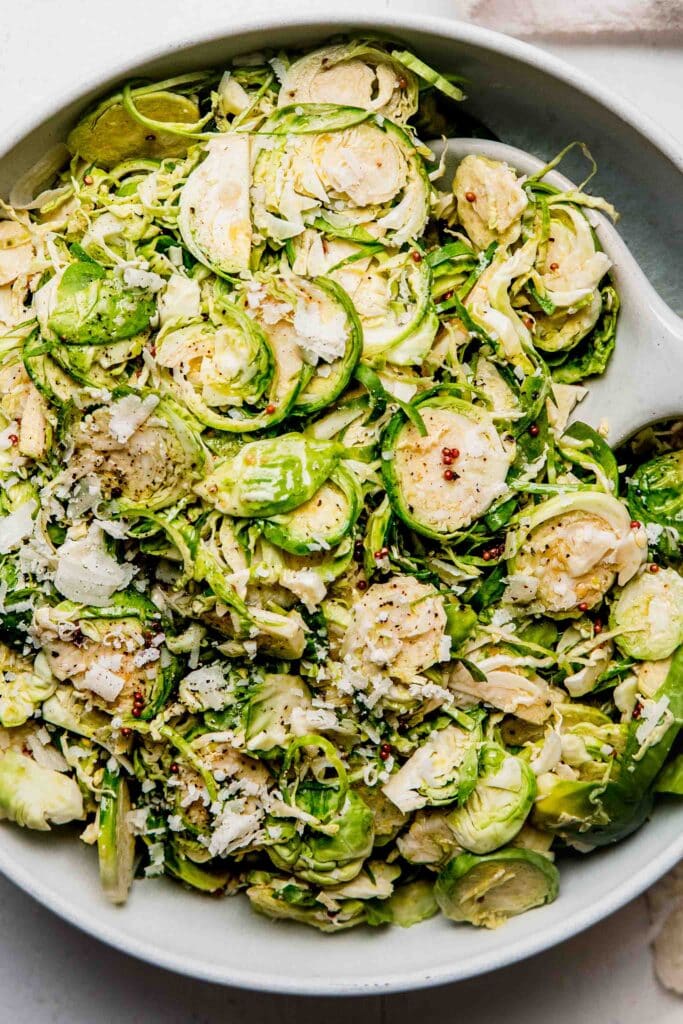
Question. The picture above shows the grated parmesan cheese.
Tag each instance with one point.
(102, 679)
(127, 415)
(17, 527)
(322, 337)
(306, 584)
(655, 716)
(137, 277)
(86, 573)
(205, 686)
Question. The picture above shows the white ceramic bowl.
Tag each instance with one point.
(537, 103)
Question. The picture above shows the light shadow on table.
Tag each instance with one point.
(72, 971)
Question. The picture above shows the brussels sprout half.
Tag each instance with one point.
(590, 357)
(52, 382)
(314, 332)
(270, 477)
(432, 500)
(388, 819)
(486, 891)
(359, 73)
(208, 879)
(23, 686)
(93, 306)
(368, 178)
(107, 657)
(649, 615)
(595, 812)
(328, 857)
(655, 492)
(103, 366)
(441, 771)
(220, 371)
(34, 796)
(214, 217)
(323, 521)
(499, 804)
(409, 904)
(109, 134)
(228, 364)
(391, 292)
(269, 712)
(335, 357)
(429, 840)
(490, 201)
(29, 407)
(146, 453)
(561, 331)
(68, 710)
(494, 676)
(294, 353)
(399, 627)
(570, 549)
(115, 841)
(569, 266)
(284, 900)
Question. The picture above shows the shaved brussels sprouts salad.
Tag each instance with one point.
(307, 587)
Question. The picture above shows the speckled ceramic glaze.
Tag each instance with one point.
(537, 103)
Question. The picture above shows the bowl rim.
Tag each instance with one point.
(539, 940)
(507, 46)
(395, 981)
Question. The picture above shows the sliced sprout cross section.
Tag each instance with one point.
(429, 496)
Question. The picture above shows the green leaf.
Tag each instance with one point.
(312, 118)
(460, 621)
(591, 356)
(93, 307)
(270, 477)
(445, 85)
(670, 779)
(474, 670)
(594, 451)
(491, 589)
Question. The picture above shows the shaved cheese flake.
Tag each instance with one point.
(549, 755)
(591, 545)
(520, 589)
(235, 831)
(312, 720)
(508, 776)
(322, 332)
(655, 717)
(307, 586)
(208, 685)
(137, 277)
(127, 415)
(17, 526)
(86, 573)
(102, 680)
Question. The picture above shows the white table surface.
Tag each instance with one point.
(52, 974)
